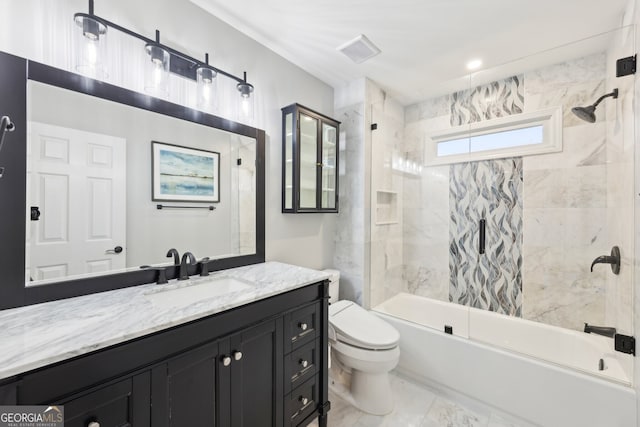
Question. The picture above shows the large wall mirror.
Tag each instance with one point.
(101, 182)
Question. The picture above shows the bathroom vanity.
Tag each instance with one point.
(256, 356)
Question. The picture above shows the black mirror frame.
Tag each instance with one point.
(15, 73)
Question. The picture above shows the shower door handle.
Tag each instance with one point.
(482, 236)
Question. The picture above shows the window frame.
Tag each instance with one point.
(550, 119)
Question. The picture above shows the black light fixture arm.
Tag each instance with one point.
(196, 62)
(614, 94)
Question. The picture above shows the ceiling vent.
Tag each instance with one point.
(359, 49)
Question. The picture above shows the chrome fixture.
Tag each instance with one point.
(588, 113)
(187, 260)
(605, 331)
(91, 57)
(613, 259)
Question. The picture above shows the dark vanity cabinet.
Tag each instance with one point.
(310, 142)
(262, 364)
(240, 373)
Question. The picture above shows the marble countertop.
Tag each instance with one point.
(38, 335)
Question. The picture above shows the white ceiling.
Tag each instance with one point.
(425, 43)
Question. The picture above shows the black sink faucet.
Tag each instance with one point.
(600, 330)
(187, 260)
(175, 254)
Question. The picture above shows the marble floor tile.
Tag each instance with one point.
(444, 412)
(416, 405)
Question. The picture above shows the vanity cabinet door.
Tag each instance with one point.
(184, 390)
(257, 376)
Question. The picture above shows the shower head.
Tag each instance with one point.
(588, 114)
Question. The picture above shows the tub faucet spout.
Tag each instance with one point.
(600, 330)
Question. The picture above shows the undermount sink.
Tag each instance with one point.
(196, 290)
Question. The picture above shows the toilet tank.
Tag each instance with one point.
(334, 285)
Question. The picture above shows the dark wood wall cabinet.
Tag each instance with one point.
(262, 364)
(310, 145)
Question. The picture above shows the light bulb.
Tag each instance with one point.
(91, 51)
(245, 105)
(157, 74)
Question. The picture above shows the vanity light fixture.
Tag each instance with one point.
(206, 78)
(246, 100)
(156, 69)
(90, 44)
(91, 55)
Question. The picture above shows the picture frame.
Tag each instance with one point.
(184, 174)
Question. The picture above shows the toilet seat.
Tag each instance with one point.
(353, 325)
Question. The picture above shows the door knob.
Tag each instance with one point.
(303, 326)
(226, 361)
(304, 363)
(116, 250)
(304, 400)
(237, 355)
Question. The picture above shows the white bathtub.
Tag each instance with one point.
(547, 375)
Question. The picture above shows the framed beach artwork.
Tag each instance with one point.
(183, 174)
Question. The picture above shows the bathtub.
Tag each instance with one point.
(543, 374)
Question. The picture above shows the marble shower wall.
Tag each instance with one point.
(489, 101)
(620, 152)
(565, 194)
(386, 274)
(565, 201)
(351, 251)
(490, 190)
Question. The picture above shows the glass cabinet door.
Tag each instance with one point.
(288, 161)
(308, 161)
(328, 166)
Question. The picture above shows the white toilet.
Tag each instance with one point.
(367, 346)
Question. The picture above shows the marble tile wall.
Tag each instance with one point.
(350, 242)
(568, 197)
(620, 153)
(565, 201)
(386, 244)
(490, 190)
(489, 101)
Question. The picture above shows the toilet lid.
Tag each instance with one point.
(356, 326)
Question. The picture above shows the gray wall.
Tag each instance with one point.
(41, 30)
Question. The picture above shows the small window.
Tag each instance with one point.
(517, 135)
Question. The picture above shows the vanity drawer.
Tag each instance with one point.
(301, 326)
(301, 364)
(302, 402)
(108, 406)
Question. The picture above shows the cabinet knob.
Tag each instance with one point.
(93, 424)
(303, 326)
(304, 400)
(237, 355)
(304, 363)
(226, 361)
